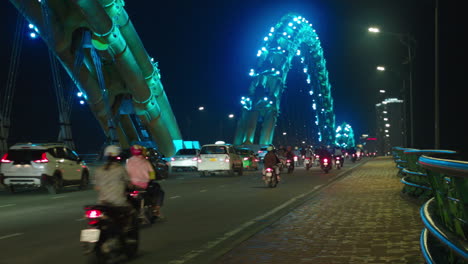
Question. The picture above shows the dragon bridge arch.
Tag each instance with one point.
(292, 36)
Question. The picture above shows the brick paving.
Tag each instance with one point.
(359, 219)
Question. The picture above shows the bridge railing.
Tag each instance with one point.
(445, 216)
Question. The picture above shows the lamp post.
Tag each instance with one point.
(409, 42)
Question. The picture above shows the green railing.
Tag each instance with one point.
(413, 174)
(445, 216)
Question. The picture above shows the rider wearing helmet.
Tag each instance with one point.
(142, 175)
(112, 179)
(271, 161)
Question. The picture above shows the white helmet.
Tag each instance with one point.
(112, 151)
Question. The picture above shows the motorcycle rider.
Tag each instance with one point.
(338, 153)
(142, 176)
(111, 184)
(112, 179)
(290, 155)
(271, 161)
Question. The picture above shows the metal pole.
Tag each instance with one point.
(436, 77)
(410, 62)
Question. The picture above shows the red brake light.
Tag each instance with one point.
(172, 159)
(4, 159)
(43, 159)
(195, 158)
(325, 160)
(269, 170)
(93, 213)
(134, 193)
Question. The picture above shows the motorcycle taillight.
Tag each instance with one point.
(134, 193)
(269, 169)
(325, 160)
(93, 213)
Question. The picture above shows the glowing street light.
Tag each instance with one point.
(374, 30)
(380, 68)
(201, 108)
(231, 115)
(382, 91)
(284, 133)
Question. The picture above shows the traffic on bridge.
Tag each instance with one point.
(269, 142)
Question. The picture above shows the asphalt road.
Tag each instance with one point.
(205, 217)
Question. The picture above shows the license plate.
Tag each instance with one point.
(90, 235)
(325, 164)
(338, 161)
(268, 174)
(287, 164)
(213, 159)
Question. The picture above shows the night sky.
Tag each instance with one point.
(206, 49)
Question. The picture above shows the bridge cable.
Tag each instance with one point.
(5, 111)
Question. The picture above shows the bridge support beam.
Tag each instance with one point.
(268, 128)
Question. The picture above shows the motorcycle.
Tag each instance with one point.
(112, 233)
(290, 165)
(143, 207)
(307, 163)
(271, 179)
(353, 157)
(325, 164)
(338, 162)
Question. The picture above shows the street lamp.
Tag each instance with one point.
(201, 108)
(409, 42)
(231, 116)
(380, 68)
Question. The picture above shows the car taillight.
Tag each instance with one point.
(325, 160)
(5, 159)
(194, 158)
(199, 160)
(92, 214)
(119, 158)
(43, 159)
(172, 159)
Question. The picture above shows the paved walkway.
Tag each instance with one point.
(359, 219)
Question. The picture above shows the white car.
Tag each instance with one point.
(219, 158)
(51, 165)
(185, 159)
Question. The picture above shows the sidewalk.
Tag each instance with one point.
(359, 219)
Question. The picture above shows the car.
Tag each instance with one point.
(219, 157)
(249, 158)
(260, 150)
(185, 159)
(49, 165)
(157, 160)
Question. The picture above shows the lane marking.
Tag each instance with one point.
(174, 197)
(6, 205)
(203, 190)
(180, 178)
(12, 235)
(58, 197)
(318, 186)
(80, 219)
(221, 186)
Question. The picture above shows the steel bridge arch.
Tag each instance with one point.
(292, 36)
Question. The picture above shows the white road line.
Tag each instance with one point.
(318, 186)
(174, 197)
(7, 205)
(12, 235)
(57, 197)
(180, 178)
(80, 219)
(221, 186)
(203, 190)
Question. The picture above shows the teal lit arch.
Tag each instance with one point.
(345, 136)
(292, 36)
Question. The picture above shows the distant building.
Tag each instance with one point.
(390, 125)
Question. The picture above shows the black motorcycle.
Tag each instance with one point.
(290, 165)
(338, 162)
(144, 208)
(111, 235)
(325, 164)
(271, 179)
(308, 163)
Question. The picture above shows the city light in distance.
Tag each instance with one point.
(374, 30)
(380, 68)
(201, 108)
